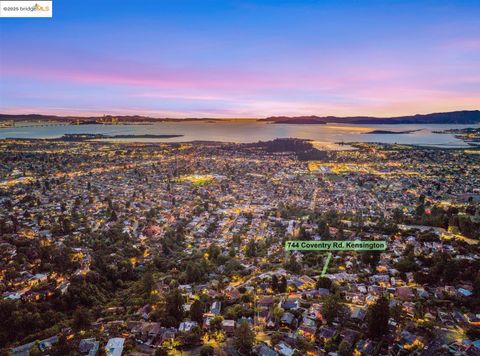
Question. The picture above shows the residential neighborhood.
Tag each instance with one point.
(170, 249)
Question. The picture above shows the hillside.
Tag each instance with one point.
(454, 117)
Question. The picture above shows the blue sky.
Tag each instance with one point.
(243, 58)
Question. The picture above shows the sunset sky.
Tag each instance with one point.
(243, 58)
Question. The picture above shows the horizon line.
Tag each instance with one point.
(233, 118)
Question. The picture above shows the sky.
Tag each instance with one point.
(176, 58)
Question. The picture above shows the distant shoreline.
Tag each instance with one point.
(454, 117)
(387, 132)
(89, 137)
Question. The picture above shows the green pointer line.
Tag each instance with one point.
(325, 266)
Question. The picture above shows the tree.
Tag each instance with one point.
(35, 350)
(147, 283)
(371, 258)
(81, 318)
(397, 313)
(63, 347)
(421, 199)
(190, 338)
(161, 352)
(216, 323)
(322, 229)
(275, 283)
(282, 286)
(407, 264)
(331, 307)
(207, 350)
(303, 346)
(244, 337)
(303, 234)
(174, 307)
(233, 266)
(194, 272)
(213, 251)
(377, 317)
(420, 210)
(398, 216)
(277, 313)
(476, 286)
(113, 216)
(251, 250)
(344, 349)
(292, 265)
(324, 282)
(276, 337)
(196, 311)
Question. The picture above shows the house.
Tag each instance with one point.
(365, 347)
(287, 319)
(207, 318)
(290, 304)
(243, 319)
(216, 308)
(228, 326)
(474, 348)
(315, 312)
(310, 282)
(358, 313)
(13, 296)
(146, 332)
(186, 288)
(473, 319)
(38, 278)
(446, 318)
(24, 350)
(354, 297)
(308, 327)
(232, 294)
(302, 283)
(326, 333)
(88, 347)
(115, 346)
(265, 301)
(262, 315)
(407, 337)
(404, 293)
(264, 350)
(464, 292)
(323, 292)
(459, 317)
(349, 335)
(187, 326)
(422, 293)
(284, 349)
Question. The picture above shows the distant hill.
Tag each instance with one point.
(454, 117)
(296, 120)
(88, 119)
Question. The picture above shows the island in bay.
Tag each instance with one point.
(388, 132)
(88, 137)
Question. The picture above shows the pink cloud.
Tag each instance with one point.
(323, 86)
(81, 68)
(465, 44)
(142, 76)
